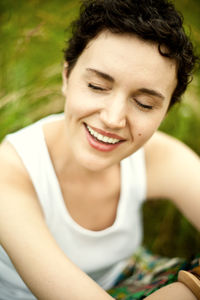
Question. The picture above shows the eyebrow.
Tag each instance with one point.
(151, 92)
(111, 79)
(101, 74)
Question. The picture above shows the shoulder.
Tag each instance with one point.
(15, 182)
(10, 162)
(173, 169)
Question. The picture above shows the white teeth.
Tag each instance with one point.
(105, 139)
(101, 137)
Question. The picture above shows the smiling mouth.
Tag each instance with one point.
(102, 138)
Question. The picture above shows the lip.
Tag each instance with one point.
(108, 134)
(98, 145)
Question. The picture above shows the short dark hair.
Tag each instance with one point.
(151, 20)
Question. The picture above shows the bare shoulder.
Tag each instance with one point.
(12, 169)
(173, 169)
(13, 173)
(16, 190)
(8, 154)
(162, 143)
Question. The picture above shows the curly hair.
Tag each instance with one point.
(151, 20)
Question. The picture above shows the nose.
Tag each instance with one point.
(114, 113)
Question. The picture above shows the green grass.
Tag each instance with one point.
(32, 40)
(32, 35)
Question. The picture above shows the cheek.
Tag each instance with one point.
(75, 105)
(144, 128)
(81, 105)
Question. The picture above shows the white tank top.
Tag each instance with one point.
(101, 254)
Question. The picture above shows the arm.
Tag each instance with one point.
(25, 237)
(173, 172)
(176, 290)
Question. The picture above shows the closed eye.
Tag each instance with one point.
(95, 87)
(145, 106)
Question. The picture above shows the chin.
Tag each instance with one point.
(95, 164)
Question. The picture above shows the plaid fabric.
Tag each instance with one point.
(146, 273)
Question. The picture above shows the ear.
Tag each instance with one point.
(64, 78)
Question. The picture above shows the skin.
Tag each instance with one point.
(114, 106)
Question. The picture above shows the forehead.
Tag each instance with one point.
(129, 59)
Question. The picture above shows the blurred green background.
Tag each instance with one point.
(32, 35)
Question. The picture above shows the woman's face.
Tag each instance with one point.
(117, 94)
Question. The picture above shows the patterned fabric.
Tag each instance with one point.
(146, 273)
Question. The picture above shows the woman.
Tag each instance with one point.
(72, 185)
